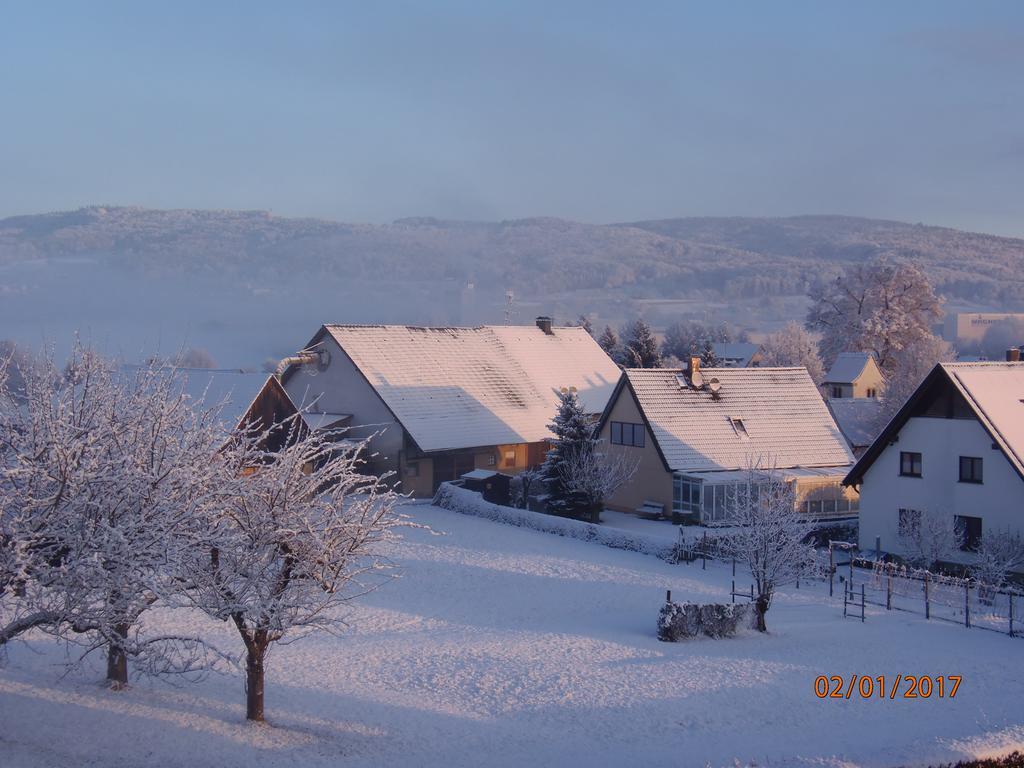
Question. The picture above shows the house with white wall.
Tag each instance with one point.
(441, 402)
(956, 448)
(853, 374)
(697, 432)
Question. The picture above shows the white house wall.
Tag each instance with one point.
(941, 443)
(341, 388)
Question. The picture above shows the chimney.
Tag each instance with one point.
(694, 365)
(1013, 355)
(544, 323)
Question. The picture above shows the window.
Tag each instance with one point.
(910, 522)
(837, 392)
(685, 496)
(969, 529)
(412, 469)
(871, 393)
(508, 458)
(910, 464)
(624, 433)
(970, 469)
(739, 428)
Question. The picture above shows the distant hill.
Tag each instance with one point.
(730, 257)
(248, 285)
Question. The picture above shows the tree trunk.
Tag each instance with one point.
(117, 659)
(254, 683)
(761, 606)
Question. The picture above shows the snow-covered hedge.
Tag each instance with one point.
(681, 621)
(472, 503)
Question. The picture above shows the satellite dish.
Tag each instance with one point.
(714, 385)
(697, 379)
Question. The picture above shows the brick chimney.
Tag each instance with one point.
(1013, 355)
(544, 323)
(694, 365)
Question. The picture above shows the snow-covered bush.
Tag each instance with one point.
(468, 502)
(929, 537)
(681, 621)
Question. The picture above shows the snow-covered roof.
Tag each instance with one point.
(996, 393)
(848, 367)
(740, 352)
(479, 474)
(490, 385)
(730, 476)
(858, 418)
(772, 414)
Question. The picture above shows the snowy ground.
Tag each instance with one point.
(508, 647)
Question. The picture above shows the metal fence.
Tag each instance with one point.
(862, 582)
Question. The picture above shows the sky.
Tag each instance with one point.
(593, 111)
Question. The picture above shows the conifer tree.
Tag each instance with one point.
(574, 434)
(708, 358)
(609, 342)
(640, 349)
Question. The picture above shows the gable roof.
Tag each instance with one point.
(467, 387)
(741, 351)
(849, 366)
(784, 420)
(993, 391)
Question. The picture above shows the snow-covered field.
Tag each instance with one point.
(509, 647)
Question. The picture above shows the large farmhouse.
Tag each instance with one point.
(955, 448)
(697, 432)
(441, 402)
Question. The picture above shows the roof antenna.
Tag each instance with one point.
(510, 301)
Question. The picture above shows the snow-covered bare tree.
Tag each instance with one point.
(573, 434)
(998, 554)
(593, 473)
(104, 472)
(291, 537)
(793, 346)
(609, 342)
(639, 347)
(909, 369)
(928, 537)
(882, 307)
(768, 533)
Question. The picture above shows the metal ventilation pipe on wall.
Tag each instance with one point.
(305, 357)
(1013, 355)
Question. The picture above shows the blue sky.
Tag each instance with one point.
(592, 111)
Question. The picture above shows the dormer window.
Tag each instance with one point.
(739, 428)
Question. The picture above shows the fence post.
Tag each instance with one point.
(967, 603)
(831, 567)
(734, 567)
(888, 591)
(704, 553)
(732, 592)
(862, 603)
(927, 604)
(668, 595)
